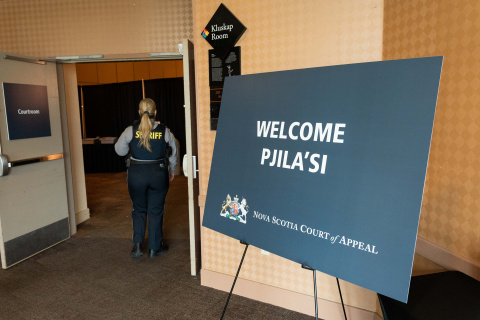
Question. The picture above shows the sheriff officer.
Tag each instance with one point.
(148, 176)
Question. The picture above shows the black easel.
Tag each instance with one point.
(238, 271)
(304, 266)
(341, 298)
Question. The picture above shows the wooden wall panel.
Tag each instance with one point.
(113, 72)
(125, 72)
(141, 70)
(179, 64)
(170, 69)
(107, 72)
(87, 74)
(156, 69)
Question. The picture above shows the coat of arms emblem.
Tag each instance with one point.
(234, 209)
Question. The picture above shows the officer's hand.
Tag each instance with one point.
(171, 176)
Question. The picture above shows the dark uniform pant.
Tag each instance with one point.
(148, 186)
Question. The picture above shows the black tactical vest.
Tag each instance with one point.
(157, 143)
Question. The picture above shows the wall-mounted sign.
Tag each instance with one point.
(223, 31)
(326, 166)
(216, 95)
(27, 111)
(214, 114)
(220, 68)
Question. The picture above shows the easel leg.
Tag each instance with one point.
(304, 266)
(238, 271)
(341, 298)
(315, 293)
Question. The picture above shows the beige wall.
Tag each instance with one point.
(450, 215)
(283, 35)
(52, 28)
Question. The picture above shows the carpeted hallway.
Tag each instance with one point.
(91, 275)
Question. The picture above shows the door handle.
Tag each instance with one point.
(185, 166)
(194, 160)
(4, 165)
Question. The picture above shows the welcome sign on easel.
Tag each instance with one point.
(326, 166)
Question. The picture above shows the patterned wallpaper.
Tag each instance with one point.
(283, 35)
(53, 28)
(415, 28)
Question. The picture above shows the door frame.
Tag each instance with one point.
(71, 122)
(192, 155)
(195, 243)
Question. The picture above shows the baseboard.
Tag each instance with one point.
(290, 300)
(82, 216)
(447, 259)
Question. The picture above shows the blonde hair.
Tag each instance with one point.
(147, 110)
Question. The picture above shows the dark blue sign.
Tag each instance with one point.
(326, 166)
(27, 111)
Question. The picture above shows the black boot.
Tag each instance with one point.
(137, 250)
(155, 253)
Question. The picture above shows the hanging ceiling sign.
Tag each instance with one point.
(223, 31)
(27, 111)
(326, 166)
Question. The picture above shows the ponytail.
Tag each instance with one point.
(147, 110)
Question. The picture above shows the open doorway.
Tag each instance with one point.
(109, 93)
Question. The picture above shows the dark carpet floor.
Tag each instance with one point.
(91, 276)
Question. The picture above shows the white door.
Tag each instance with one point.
(191, 140)
(33, 194)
